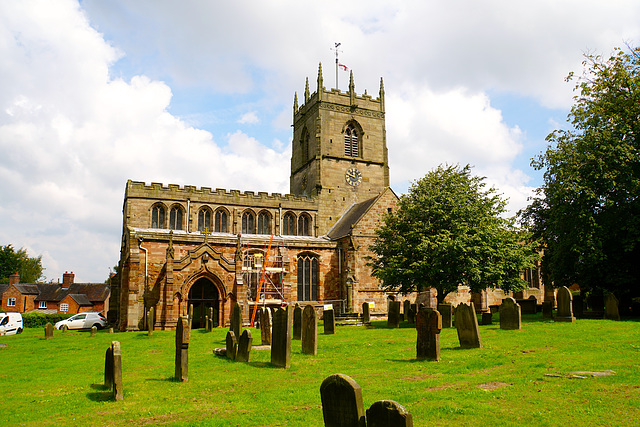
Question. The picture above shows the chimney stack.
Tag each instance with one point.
(14, 278)
(67, 279)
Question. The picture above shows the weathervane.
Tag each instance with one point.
(337, 45)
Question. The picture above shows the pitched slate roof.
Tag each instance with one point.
(81, 299)
(3, 287)
(95, 292)
(27, 288)
(349, 219)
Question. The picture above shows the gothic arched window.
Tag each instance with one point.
(175, 218)
(157, 217)
(304, 225)
(351, 146)
(307, 278)
(204, 219)
(288, 225)
(263, 223)
(221, 221)
(248, 223)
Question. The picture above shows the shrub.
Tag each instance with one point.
(38, 320)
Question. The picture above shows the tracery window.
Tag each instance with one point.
(221, 221)
(288, 225)
(248, 223)
(175, 218)
(307, 278)
(305, 145)
(304, 225)
(351, 146)
(204, 219)
(263, 223)
(157, 217)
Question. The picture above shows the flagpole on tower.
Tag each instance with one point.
(337, 45)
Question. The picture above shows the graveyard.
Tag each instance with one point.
(584, 372)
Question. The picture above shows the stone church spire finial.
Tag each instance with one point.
(320, 82)
(352, 89)
(306, 91)
(295, 102)
(381, 95)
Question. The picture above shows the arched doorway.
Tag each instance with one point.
(203, 295)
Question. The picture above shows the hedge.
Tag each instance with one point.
(38, 320)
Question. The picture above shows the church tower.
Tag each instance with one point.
(339, 149)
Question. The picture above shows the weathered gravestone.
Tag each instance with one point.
(388, 413)
(94, 331)
(244, 346)
(446, 311)
(342, 402)
(297, 322)
(113, 370)
(309, 333)
(48, 331)
(406, 309)
(206, 323)
(329, 320)
(236, 320)
(281, 338)
(366, 313)
(210, 326)
(467, 326)
(510, 314)
(578, 306)
(182, 350)
(528, 306)
(232, 345)
(393, 317)
(265, 326)
(428, 327)
(65, 328)
(151, 321)
(611, 307)
(547, 310)
(190, 316)
(486, 318)
(565, 309)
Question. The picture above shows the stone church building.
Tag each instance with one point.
(211, 248)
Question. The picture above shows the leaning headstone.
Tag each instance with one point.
(94, 331)
(265, 326)
(387, 413)
(151, 322)
(578, 306)
(467, 326)
(428, 327)
(342, 402)
(65, 328)
(446, 311)
(281, 339)
(118, 393)
(329, 320)
(244, 346)
(182, 350)
(48, 331)
(309, 332)
(393, 317)
(366, 313)
(232, 345)
(611, 307)
(297, 322)
(406, 309)
(565, 311)
(510, 314)
(236, 320)
(486, 318)
(547, 310)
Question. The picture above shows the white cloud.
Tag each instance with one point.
(249, 118)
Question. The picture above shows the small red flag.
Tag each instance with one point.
(344, 67)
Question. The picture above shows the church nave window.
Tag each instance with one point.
(263, 223)
(288, 225)
(204, 219)
(157, 217)
(248, 223)
(175, 218)
(307, 278)
(221, 221)
(304, 225)
(351, 147)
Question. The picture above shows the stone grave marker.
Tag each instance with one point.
(265, 326)
(565, 309)
(547, 310)
(309, 333)
(281, 339)
(236, 320)
(467, 326)
(182, 350)
(297, 323)
(118, 393)
(329, 320)
(528, 306)
(393, 317)
(388, 413)
(111, 331)
(244, 346)
(65, 328)
(232, 345)
(446, 311)
(94, 331)
(406, 309)
(342, 402)
(190, 316)
(486, 318)
(611, 311)
(510, 314)
(151, 321)
(428, 327)
(366, 312)
(578, 306)
(48, 331)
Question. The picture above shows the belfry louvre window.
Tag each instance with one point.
(307, 278)
(204, 220)
(263, 223)
(221, 221)
(248, 223)
(175, 218)
(157, 217)
(351, 147)
(288, 225)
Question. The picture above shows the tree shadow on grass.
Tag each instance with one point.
(102, 393)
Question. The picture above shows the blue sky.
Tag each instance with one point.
(200, 93)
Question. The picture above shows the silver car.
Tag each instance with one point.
(83, 321)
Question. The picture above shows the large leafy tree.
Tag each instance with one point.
(448, 230)
(588, 209)
(12, 261)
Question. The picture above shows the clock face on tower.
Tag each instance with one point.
(353, 176)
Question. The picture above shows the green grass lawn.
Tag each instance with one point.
(59, 381)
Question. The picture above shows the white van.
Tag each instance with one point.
(10, 323)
